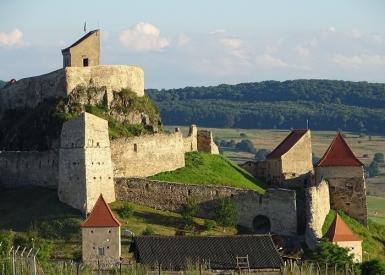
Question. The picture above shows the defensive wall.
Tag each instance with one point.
(30, 91)
(29, 168)
(277, 205)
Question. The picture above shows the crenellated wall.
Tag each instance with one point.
(29, 168)
(277, 205)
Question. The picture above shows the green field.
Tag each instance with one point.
(376, 209)
(203, 168)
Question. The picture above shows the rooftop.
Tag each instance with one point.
(101, 215)
(219, 252)
(287, 143)
(80, 40)
(340, 232)
(339, 154)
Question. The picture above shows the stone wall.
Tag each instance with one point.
(347, 189)
(28, 168)
(147, 155)
(30, 91)
(190, 143)
(256, 168)
(278, 205)
(317, 208)
(88, 48)
(205, 142)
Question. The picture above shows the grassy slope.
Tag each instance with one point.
(203, 168)
(35, 206)
(376, 209)
(373, 236)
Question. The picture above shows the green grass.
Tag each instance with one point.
(204, 168)
(376, 209)
(373, 236)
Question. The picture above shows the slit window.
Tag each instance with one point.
(85, 62)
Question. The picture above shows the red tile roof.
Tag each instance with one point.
(339, 154)
(340, 232)
(101, 216)
(287, 143)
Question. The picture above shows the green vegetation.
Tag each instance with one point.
(373, 267)
(376, 209)
(189, 211)
(331, 254)
(373, 244)
(203, 168)
(226, 212)
(126, 211)
(328, 104)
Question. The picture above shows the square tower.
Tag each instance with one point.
(85, 167)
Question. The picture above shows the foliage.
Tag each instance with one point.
(209, 224)
(6, 240)
(332, 254)
(373, 267)
(148, 231)
(246, 146)
(189, 211)
(203, 168)
(373, 169)
(261, 154)
(226, 212)
(126, 210)
(378, 157)
(328, 104)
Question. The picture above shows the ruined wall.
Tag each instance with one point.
(30, 91)
(190, 143)
(88, 48)
(28, 168)
(317, 208)
(205, 142)
(278, 205)
(147, 155)
(256, 168)
(85, 167)
(347, 189)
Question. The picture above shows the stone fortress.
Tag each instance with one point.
(87, 163)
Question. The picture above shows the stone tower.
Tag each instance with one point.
(84, 52)
(85, 167)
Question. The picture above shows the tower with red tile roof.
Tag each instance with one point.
(101, 235)
(345, 175)
(340, 234)
(291, 159)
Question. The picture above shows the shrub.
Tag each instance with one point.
(246, 145)
(189, 211)
(148, 231)
(243, 135)
(6, 238)
(378, 157)
(332, 254)
(209, 224)
(126, 211)
(373, 267)
(226, 212)
(261, 154)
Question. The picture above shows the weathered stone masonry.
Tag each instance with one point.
(278, 205)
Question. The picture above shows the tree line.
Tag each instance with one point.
(325, 104)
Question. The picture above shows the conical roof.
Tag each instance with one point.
(339, 154)
(340, 232)
(101, 215)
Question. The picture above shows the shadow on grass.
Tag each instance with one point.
(160, 219)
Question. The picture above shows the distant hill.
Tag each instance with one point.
(2, 84)
(327, 104)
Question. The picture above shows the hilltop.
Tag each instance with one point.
(327, 104)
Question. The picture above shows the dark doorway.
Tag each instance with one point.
(261, 224)
(85, 62)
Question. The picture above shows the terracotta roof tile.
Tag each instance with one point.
(287, 143)
(340, 232)
(339, 154)
(101, 215)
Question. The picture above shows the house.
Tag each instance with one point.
(84, 52)
(291, 159)
(101, 236)
(345, 176)
(254, 253)
(340, 234)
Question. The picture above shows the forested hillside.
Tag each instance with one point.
(327, 104)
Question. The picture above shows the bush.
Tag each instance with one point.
(226, 212)
(378, 157)
(126, 211)
(148, 231)
(373, 169)
(189, 211)
(209, 224)
(373, 267)
(246, 145)
(261, 154)
(332, 254)
(6, 238)
(243, 135)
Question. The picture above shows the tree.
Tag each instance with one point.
(226, 212)
(378, 157)
(261, 154)
(246, 145)
(373, 267)
(332, 254)
(189, 211)
(126, 211)
(373, 169)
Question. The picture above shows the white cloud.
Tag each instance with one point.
(358, 61)
(302, 51)
(332, 29)
(356, 34)
(12, 38)
(143, 37)
(183, 40)
(270, 61)
(218, 31)
(231, 42)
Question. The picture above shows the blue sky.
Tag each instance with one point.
(196, 43)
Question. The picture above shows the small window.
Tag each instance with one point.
(108, 247)
(189, 192)
(92, 231)
(97, 144)
(101, 251)
(135, 147)
(85, 62)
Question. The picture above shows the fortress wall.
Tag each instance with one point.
(278, 205)
(28, 168)
(256, 168)
(347, 189)
(317, 208)
(205, 142)
(147, 155)
(190, 143)
(30, 91)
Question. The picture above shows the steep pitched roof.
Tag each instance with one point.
(101, 215)
(80, 40)
(287, 143)
(340, 232)
(339, 154)
(220, 251)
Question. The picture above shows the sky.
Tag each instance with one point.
(202, 42)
